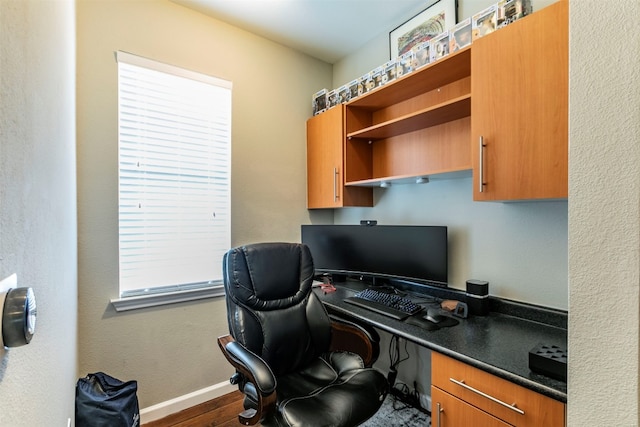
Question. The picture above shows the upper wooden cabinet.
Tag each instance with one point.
(519, 109)
(498, 108)
(416, 126)
(325, 170)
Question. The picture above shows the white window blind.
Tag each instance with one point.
(174, 177)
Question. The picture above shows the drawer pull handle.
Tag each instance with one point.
(481, 164)
(336, 174)
(491, 398)
(440, 411)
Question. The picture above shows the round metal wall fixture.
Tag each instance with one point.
(18, 317)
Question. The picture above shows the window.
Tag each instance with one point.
(174, 130)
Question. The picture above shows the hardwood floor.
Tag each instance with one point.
(220, 412)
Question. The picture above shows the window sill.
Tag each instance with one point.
(144, 301)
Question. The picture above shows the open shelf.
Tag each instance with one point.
(427, 117)
(411, 179)
(453, 67)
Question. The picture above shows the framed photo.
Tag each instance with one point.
(460, 35)
(484, 22)
(434, 20)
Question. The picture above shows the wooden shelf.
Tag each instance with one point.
(412, 179)
(446, 70)
(438, 114)
(420, 124)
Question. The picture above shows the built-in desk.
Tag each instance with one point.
(498, 343)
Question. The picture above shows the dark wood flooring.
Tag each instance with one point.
(220, 412)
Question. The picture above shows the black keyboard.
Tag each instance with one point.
(390, 305)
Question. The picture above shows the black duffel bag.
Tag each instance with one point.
(104, 401)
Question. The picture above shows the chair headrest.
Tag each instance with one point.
(268, 276)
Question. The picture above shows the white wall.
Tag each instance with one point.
(171, 350)
(604, 214)
(38, 206)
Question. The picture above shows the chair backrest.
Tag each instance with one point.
(271, 308)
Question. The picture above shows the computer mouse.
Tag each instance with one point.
(422, 322)
(434, 315)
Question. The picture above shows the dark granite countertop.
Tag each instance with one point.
(498, 343)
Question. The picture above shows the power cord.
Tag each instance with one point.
(395, 358)
(402, 393)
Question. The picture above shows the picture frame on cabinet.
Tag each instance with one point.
(354, 91)
(332, 98)
(439, 17)
(377, 76)
(484, 22)
(439, 46)
(362, 83)
(512, 10)
(422, 54)
(368, 82)
(319, 102)
(344, 94)
(389, 71)
(404, 64)
(460, 36)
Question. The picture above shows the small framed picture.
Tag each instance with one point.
(344, 95)
(332, 98)
(460, 36)
(422, 54)
(484, 22)
(389, 71)
(439, 46)
(404, 65)
(377, 75)
(353, 89)
(319, 101)
(512, 10)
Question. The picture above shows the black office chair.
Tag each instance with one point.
(280, 344)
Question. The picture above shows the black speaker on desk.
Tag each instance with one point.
(477, 297)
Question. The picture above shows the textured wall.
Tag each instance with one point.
(37, 205)
(520, 248)
(604, 213)
(171, 350)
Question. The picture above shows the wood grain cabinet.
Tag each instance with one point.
(519, 109)
(449, 411)
(325, 164)
(416, 126)
(463, 396)
(498, 108)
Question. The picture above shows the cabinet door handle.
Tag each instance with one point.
(336, 174)
(491, 398)
(481, 168)
(440, 410)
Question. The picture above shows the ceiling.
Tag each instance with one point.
(325, 29)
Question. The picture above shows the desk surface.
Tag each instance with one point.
(497, 343)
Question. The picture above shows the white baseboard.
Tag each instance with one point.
(181, 403)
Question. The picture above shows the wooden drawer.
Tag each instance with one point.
(522, 407)
(449, 411)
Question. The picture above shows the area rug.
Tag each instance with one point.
(394, 413)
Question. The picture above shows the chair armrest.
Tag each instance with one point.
(257, 372)
(350, 336)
